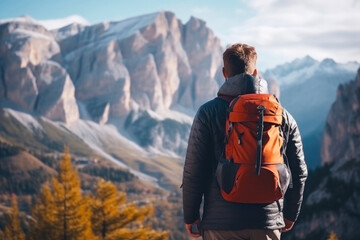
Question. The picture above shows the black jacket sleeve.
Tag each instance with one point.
(296, 159)
(194, 168)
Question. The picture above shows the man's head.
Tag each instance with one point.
(239, 58)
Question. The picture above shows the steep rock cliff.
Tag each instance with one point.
(30, 79)
(342, 131)
(332, 192)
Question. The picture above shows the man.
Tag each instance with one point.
(222, 219)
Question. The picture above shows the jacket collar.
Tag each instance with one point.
(242, 84)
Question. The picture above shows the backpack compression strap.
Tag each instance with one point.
(260, 129)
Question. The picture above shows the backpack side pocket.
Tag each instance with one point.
(225, 174)
(284, 177)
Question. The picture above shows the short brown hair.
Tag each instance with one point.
(239, 58)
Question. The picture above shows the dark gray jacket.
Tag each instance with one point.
(206, 143)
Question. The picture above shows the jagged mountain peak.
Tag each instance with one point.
(68, 31)
(157, 22)
(300, 70)
(196, 22)
(24, 27)
(291, 72)
(53, 24)
(129, 25)
(303, 62)
(148, 27)
(297, 63)
(328, 62)
(20, 19)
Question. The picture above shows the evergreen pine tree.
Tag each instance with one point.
(61, 212)
(333, 236)
(13, 229)
(43, 217)
(113, 219)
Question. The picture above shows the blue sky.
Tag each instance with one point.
(281, 30)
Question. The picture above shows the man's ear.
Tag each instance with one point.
(255, 72)
(224, 73)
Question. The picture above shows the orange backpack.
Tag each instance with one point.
(252, 168)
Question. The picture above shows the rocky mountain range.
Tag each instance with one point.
(127, 73)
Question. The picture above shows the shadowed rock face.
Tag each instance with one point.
(30, 78)
(56, 97)
(198, 43)
(106, 71)
(147, 61)
(331, 201)
(341, 137)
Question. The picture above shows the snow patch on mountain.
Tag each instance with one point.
(28, 33)
(23, 19)
(160, 151)
(91, 133)
(95, 136)
(52, 24)
(140, 175)
(25, 119)
(184, 110)
(85, 130)
(128, 27)
(170, 114)
(297, 76)
(98, 134)
(301, 69)
(296, 71)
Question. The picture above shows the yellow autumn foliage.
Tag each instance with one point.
(61, 212)
(114, 219)
(333, 236)
(13, 229)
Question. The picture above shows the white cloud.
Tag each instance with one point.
(290, 29)
(200, 10)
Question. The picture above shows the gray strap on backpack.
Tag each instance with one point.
(260, 129)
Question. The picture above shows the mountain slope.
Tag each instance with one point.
(89, 140)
